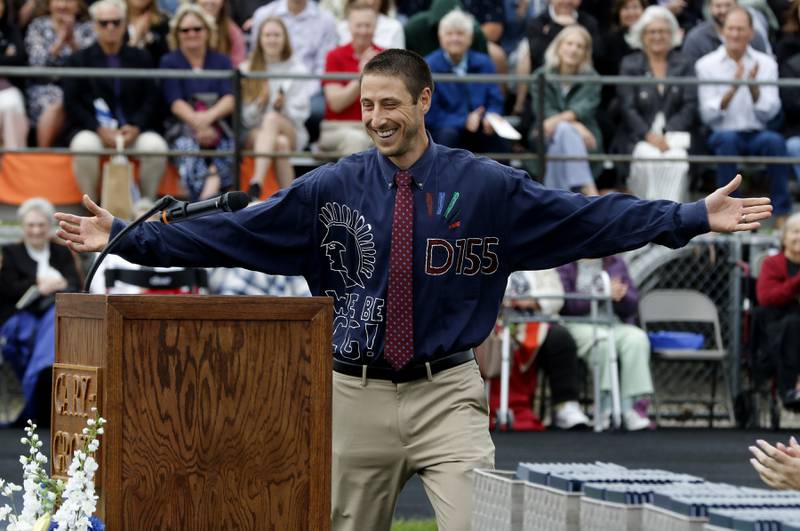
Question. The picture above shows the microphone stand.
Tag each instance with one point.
(162, 204)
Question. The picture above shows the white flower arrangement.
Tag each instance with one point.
(49, 503)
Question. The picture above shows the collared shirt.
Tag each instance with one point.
(452, 101)
(741, 114)
(114, 61)
(460, 68)
(554, 16)
(475, 221)
(343, 59)
(312, 32)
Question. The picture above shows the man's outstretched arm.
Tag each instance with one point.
(550, 227)
(273, 237)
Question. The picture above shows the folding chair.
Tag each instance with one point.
(190, 280)
(660, 308)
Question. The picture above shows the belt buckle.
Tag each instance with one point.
(408, 374)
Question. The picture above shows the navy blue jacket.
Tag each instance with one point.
(452, 101)
(475, 221)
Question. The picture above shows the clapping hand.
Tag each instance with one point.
(778, 467)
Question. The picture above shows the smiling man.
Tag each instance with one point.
(414, 242)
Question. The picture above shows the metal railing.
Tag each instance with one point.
(538, 83)
(720, 277)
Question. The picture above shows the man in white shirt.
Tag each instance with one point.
(312, 30)
(738, 114)
(706, 37)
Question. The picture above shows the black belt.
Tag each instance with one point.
(406, 374)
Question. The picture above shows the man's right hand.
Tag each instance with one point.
(107, 136)
(84, 234)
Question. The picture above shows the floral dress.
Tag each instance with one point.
(200, 94)
(43, 92)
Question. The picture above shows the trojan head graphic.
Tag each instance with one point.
(348, 243)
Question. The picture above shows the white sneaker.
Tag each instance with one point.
(633, 421)
(569, 415)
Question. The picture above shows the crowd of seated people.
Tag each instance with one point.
(629, 37)
(679, 38)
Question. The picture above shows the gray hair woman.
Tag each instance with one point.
(656, 118)
(570, 120)
(36, 260)
(776, 323)
(32, 271)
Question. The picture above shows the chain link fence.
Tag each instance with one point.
(725, 268)
(708, 265)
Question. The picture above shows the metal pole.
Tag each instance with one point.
(613, 363)
(599, 414)
(734, 346)
(541, 86)
(503, 420)
(237, 127)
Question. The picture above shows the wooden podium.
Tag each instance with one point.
(218, 408)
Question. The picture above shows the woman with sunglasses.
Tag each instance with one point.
(200, 107)
(49, 41)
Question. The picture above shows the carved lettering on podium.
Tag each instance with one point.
(76, 390)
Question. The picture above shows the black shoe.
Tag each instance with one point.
(254, 191)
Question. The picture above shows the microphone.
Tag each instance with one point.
(182, 210)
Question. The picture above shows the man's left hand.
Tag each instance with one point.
(732, 214)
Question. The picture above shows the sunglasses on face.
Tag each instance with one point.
(192, 29)
(109, 23)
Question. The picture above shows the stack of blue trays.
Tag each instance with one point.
(701, 505)
(539, 473)
(574, 481)
(767, 517)
(571, 477)
(636, 493)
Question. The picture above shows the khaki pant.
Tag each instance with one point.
(633, 356)
(383, 433)
(87, 168)
(343, 136)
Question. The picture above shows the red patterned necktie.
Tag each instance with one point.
(399, 344)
